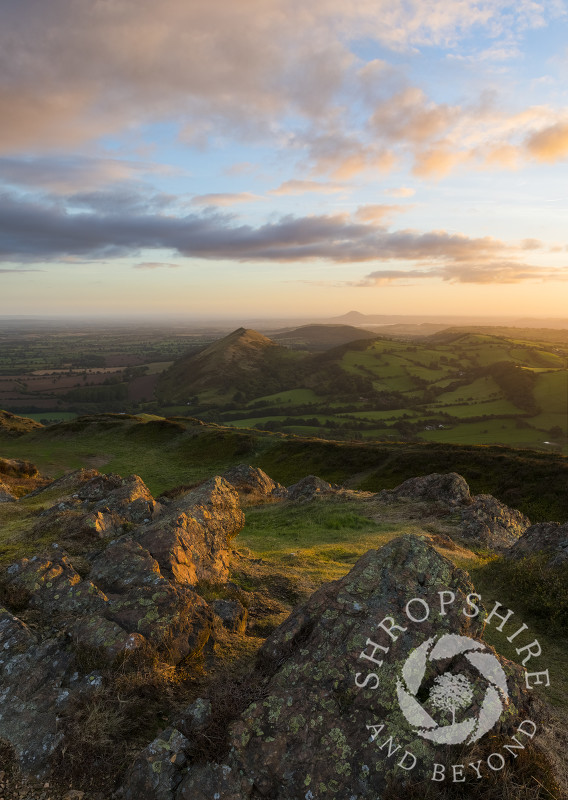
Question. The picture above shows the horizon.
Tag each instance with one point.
(272, 156)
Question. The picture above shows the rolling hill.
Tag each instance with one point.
(321, 337)
(243, 362)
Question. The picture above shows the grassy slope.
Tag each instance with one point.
(169, 453)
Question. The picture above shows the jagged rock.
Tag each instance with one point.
(53, 585)
(191, 539)
(253, 482)
(450, 489)
(232, 613)
(33, 692)
(157, 772)
(6, 495)
(67, 484)
(308, 487)
(550, 538)
(141, 600)
(490, 522)
(309, 738)
(128, 498)
(91, 504)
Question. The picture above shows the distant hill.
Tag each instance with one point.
(321, 337)
(16, 426)
(244, 362)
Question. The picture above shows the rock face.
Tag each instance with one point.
(309, 487)
(450, 489)
(35, 679)
(309, 737)
(191, 540)
(252, 482)
(490, 522)
(550, 538)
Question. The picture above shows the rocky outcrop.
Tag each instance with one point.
(327, 684)
(308, 487)
(548, 538)
(254, 484)
(191, 539)
(450, 489)
(96, 506)
(133, 592)
(489, 522)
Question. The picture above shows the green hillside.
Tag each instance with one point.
(181, 451)
(462, 386)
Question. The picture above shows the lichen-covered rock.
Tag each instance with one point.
(156, 773)
(91, 505)
(309, 737)
(127, 498)
(550, 538)
(51, 584)
(6, 495)
(232, 613)
(33, 692)
(450, 489)
(309, 487)
(254, 482)
(191, 539)
(490, 522)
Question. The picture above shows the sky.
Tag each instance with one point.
(283, 158)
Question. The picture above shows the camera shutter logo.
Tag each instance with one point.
(452, 692)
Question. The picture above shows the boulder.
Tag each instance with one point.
(309, 487)
(549, 538)
(191, 539)
(450, 489)
(253, 482)
(489, 522)
(339, 691)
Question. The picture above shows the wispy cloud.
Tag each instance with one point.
(401, 191)
(296, 187)
(225, 199)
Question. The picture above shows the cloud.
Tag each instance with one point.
(41, 231)
(18, 271)
(225, 199)
(377, 213)
(155, 265)
(73, 71)
(65, 174)
(295, 187)
(493, 272)
(549, 144)
(401, 191)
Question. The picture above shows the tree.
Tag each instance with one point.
(451, 692)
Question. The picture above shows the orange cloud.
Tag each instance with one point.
(377, 213)
(550, 144)
(295, 187)
(224, 198)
